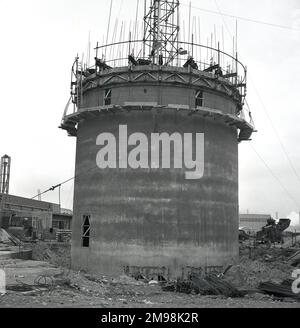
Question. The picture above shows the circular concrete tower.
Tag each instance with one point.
(156, 186)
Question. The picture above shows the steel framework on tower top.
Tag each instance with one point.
(161, 46)
(161, 30)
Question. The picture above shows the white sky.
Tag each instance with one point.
(40, 38)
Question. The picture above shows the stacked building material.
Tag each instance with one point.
(8, 239)
(294, 260)
(280, 290)
(64, 236)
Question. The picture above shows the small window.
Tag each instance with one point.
(107, 97)
(199, 98)
(86, 231)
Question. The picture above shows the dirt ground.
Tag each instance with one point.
(51, 283)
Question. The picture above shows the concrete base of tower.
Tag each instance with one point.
(113, 259)
(149, 217)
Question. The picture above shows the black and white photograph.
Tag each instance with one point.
(150, 157)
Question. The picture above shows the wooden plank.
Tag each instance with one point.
(211, 68)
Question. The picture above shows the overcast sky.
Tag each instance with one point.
(40, 38)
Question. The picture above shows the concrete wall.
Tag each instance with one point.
(156, 217)
(162, 94)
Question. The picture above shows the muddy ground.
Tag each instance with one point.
(48, 282)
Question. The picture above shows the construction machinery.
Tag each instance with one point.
(273, 232)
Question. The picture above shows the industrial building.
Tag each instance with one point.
(133, 209)
(31, 216)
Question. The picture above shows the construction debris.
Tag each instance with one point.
(204, 285)
(273, 232)
(8, 239)
(55, 253)
(262, 278)
(294, 260)
(280, 290)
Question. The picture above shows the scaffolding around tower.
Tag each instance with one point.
(159, 46)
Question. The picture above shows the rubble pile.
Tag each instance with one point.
(263, 274)
(76, 283)
(249, 273)
(86, 284)
(204, 285)
(58, 254)
(260, 271)
(264, 265)
(284, 289)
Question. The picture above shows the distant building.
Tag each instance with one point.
(35, 215)
(253, 222)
